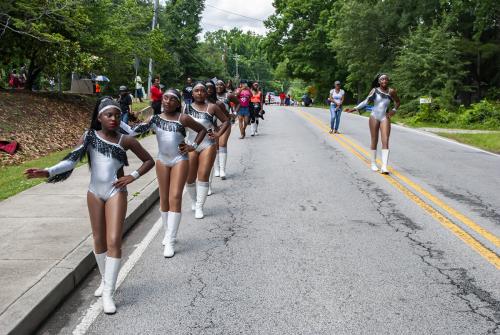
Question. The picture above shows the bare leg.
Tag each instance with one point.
(205, 162)
(97, 222)
(374, 129)
(385, 132)
(242, 124)
(224, 138)
(115, 211)
(163, 175)
(178, 177)
(193, 167)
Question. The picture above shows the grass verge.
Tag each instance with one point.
(489, 142)
(12, 180)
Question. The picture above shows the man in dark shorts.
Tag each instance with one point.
(125, 102)
(187, 92)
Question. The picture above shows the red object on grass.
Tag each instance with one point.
(9, 147)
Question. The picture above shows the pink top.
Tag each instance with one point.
(244, 97)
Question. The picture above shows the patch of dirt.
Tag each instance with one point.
(41, 122)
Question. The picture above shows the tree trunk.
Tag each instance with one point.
(34, 71)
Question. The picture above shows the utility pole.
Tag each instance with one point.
(236, 59)
(153, 26)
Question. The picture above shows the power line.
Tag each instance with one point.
(233, 13)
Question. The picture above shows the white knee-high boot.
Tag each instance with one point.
(257, 127)
(110, 277)
(253, 128)
(174, 219)
(201, 197)
(222, 162)
(210, 178)
(164, 217)
(216, 165)
(385, 160)
(373, 157)
(101, 265)
(191, 190)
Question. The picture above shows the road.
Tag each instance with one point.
(303, 238)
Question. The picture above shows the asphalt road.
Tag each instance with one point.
(303, 238)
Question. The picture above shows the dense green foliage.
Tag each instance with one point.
(449, 50)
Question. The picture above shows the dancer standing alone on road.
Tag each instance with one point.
(380, 120)
(107, 195)
(172, 164)
(336, 99)
(202, 159)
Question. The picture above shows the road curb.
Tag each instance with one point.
(32, 308)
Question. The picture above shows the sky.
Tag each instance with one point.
(215, 19)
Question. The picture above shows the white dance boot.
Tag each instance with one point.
(385, 160)
(253, 129)
(256, 128)
(191, 190)
(216, 165)
(210, 178)
(110, 277)
(101, 265)
(222, 162)
(201, 197)
(171, 235)
(374, 160)
(164, 221)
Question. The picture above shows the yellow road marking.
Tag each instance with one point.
(488, 254)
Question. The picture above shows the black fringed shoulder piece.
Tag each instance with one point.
(74, 156)
(107, 149)
(199, 115)
(167, 125)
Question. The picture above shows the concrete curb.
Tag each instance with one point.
(54, 287)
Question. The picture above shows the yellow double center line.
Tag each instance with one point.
(363, 155)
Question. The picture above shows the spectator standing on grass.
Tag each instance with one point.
(156, 96)
(125, 102)
(336, 100)
(138, 88)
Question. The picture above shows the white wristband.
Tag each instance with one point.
(135, 174)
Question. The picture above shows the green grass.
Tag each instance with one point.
(137, 106)
(489, 142)
(13, 181)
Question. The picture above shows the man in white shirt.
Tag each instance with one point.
(138, 88)
(336, 99)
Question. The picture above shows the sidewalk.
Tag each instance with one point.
(46, 243)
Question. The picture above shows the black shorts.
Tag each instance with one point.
(255, 109)
(156, 105)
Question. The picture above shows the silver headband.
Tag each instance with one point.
(199, 84)
(173, 95)
(382, 76)
(108, 107)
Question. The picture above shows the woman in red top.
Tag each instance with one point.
(243, 109)
(156, 96)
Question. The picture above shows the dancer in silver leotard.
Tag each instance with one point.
(380, 101)
(381, 96)
(172, 166)
(107, 159)
(105, 149)
(169, 134)
(201, 161)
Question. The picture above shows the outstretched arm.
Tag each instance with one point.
(62, 170)
(138, 129)
(147, 161)
(362, 104)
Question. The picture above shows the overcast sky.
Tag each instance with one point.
(215, 19)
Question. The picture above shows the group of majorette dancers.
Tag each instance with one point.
(191, 135)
